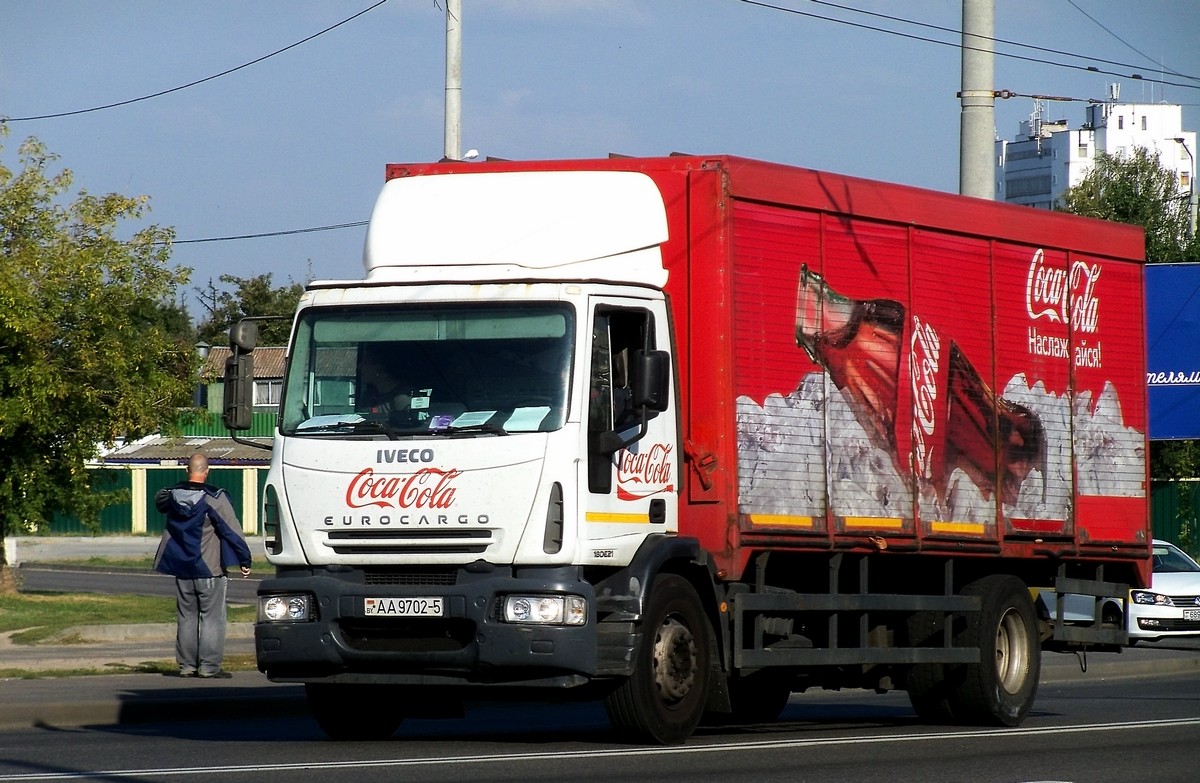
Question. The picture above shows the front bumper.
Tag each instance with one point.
(1156, 622)
(469, 645)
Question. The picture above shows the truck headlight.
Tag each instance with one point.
(545, 609)
(285, 608)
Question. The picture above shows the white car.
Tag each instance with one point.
(1169, 608)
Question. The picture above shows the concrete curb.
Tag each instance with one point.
(143, 632)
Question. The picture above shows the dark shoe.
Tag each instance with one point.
(219, 674)
(180, 673)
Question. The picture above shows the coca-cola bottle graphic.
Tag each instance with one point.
(858, 344)
(952, 419)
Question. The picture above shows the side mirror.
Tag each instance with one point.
(238, 401)
(650, 395)
(651, 380)
(243, 336)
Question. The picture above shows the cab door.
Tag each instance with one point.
(631, 471)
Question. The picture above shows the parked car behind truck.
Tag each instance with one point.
(688, 434)
(1169, 608)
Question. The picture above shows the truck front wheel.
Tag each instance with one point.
(663, 700)
(353, 712)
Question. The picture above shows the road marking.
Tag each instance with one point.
(257, 770)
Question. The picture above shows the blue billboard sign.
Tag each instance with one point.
(1173, 350)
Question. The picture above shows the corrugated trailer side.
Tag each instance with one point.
(972, 413)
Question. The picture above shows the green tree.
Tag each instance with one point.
(254, 296)
(1137, 189)
(169, 317)
(86, 353)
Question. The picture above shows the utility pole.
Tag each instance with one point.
(453, 149)
(1191, 186)
(977, 134)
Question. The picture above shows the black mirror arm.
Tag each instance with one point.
(611, 442)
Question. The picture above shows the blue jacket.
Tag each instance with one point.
(202, 536)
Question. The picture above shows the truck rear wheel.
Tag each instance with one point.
(354, 712)
(999, 690)
(663, 700)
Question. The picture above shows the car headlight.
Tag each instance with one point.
(1147, 598)
(545, 609)
(285, 608)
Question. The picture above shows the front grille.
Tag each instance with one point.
(410, 577)
(409, 542)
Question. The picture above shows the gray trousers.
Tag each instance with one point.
(200, 624)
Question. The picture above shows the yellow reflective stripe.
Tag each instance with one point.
(780, 520)
(611, 518)
(968, 528)
(873, 522)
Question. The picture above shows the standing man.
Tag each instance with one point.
(202, 537)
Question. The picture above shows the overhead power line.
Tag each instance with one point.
(265, 234)
(1097, 22)
(161, 93)
(1013, 43)
(959, 45)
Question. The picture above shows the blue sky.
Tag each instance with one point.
(300, 139)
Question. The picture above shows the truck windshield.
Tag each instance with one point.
(432, 371)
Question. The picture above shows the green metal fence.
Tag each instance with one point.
(113, 519)
(1173, 510)
(262, 425)
(119, 517)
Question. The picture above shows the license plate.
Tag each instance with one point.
(417, 606)
(1191, 614)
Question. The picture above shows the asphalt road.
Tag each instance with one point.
(40, 577)
(57, 564)
(1092, 731)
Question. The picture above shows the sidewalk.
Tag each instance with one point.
(124, 698)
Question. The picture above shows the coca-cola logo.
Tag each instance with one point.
(1058, 294)
(924, 363)
(645, 472)
(427, 488)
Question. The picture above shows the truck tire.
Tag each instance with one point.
(663, 700)
(353, 712)
(928, 683)
(1000, 689)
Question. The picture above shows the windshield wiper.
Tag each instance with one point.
(467, 429)
(365, 426)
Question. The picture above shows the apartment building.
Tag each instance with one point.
(1048, 156)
